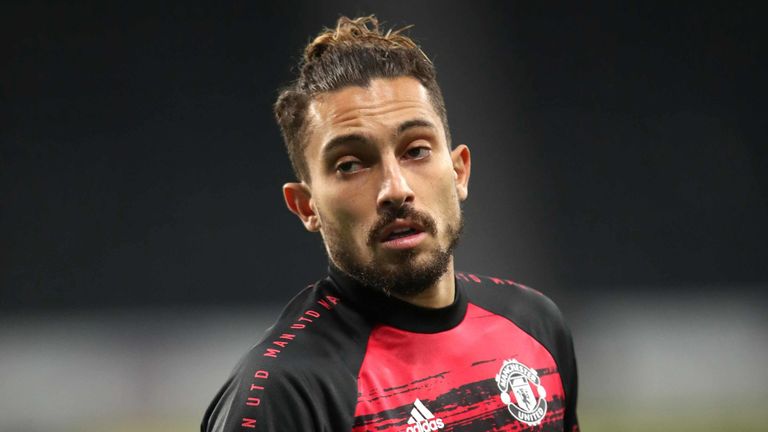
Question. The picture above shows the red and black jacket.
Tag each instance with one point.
(343, 357)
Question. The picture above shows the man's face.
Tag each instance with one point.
(385, 188)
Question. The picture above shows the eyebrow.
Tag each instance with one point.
(343, 140)
(415, 123)
(347, 139)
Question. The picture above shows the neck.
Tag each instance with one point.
(439, 295)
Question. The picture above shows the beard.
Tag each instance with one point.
(405, 274)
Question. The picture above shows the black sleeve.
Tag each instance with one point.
(570, 421)
(307, 383)
(287, 406)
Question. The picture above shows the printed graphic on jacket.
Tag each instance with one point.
(464, 375)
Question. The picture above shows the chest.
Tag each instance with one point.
(484, 374)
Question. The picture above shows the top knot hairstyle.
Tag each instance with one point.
(352, 54)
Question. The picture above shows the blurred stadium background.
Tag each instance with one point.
(619, 156)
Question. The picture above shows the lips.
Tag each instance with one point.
(399, 229)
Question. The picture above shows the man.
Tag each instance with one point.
(392, 339)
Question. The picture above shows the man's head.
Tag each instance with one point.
(366, 130)
(352, 54)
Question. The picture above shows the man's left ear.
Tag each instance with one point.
(462, 165)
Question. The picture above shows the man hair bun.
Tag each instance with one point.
(362, 31)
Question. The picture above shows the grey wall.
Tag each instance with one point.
(613, 145)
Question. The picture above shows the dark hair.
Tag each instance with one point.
(352, 54)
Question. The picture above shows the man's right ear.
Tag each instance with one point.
(298, 198)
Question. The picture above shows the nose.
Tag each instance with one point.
(395, 191)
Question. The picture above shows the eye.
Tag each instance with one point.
(349, 166)
(418, 152)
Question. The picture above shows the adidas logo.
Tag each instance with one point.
(422, 419)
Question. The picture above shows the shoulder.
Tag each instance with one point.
(529, 309)
(314, 330)
(304, 359)
(512, 299)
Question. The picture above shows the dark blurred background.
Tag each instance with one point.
(619, 155)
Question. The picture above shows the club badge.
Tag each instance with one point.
(522, 392)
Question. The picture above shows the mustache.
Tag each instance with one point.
(405, 212)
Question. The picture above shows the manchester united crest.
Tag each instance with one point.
(522, 392)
